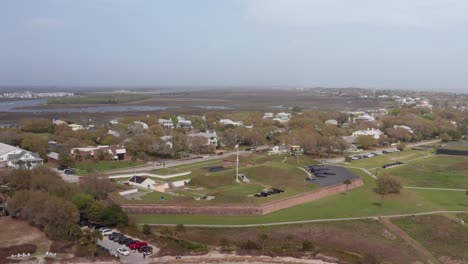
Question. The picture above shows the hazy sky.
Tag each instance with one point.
(420, 44)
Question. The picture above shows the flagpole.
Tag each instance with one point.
(237, 163)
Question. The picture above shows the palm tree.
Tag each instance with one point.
(347, 182)
(264, 238)
(89, 240)
(75, 232)
(179, 232)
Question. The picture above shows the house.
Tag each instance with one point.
(425, 104)
(376, 133)
(183, 123)
(58, 122)
(364, 118)
(268, 115)
(407, 128)
(142, 124)
(148, 183)
(113, 133)
(295, 150)
(278, 150)
(114, 152)
(332, 122)
(230, 122)
(114, 122)
(75, 127)
(166, 123)
(167, 140)
(282, 117)
(15, 157)
(211, 138)
(53, 158)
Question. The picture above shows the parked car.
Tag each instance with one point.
(147, 250)
(69, 171)
(106, 232)
(137, 245)
(130, 241)
(123, 251)
(121, 239)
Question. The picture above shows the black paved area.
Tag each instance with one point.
(326, 175)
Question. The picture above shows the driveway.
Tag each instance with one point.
(67, 177)
(134, 257)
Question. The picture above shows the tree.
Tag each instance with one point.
(347, 182)
(36, 125)
(366, 141)
(75, 232)
(89, 240)
(401, 146)
(179, 232)
(35, 143)
(387, 185)
(307, 245)
(264, 239)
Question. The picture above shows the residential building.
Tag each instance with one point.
(75, 127)
(407, 128)
(364, 118)
(167, 140)
(15, 157)
(166, 123)
(268, 115)
(230, 122)
(113, 133)
(211, 138)
(278, 150)
(376, 133)
(113, 152)
(148, 183)
(58, 122)
(331, 122)
(282, 117)
(184, 123)
(142, 124)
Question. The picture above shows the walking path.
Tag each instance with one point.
(315, 220)
(435, 189)
(415, 244)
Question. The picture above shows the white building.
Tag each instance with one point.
(17, 158)
(282, 117)
(113, 133)
(364, 118)
(58, 122)
(331, 122)
(376, 133)
(230, 122)
(407, 128)
(167, 140)
(148, 183)
(268, 115)
(116, 152)
(184, 123)
(211, 138)
(278, 150)
(75, 127)
(166, 123)
(142, 124)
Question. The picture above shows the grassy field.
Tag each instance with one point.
(356, 203)
(441, 235)
(441, 171)
(83, 168)
(97, 99)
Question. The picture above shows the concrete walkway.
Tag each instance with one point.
(434, 189)
(316, 220)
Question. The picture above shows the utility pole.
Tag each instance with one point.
(237, 163)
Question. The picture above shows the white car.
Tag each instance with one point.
(106, 232)
(123, 251)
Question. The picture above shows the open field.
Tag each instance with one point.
(83, 168)
(441, 235)
(263, 171)
(349, 241)
(355, 203)
(441, 171)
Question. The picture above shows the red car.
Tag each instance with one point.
(138, 245)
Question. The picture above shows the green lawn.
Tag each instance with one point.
(440, 235)
(87, 167)
(358, 202)
(436, 171)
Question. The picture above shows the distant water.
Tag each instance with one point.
(17, 106)
(214, 107)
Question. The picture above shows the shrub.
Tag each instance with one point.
(249, 245)
(146, 229)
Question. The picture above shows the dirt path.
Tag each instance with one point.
(415, 244)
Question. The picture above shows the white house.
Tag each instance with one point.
(15, 157)
(114, 122)
(148, 183)
(75, 127)
(282, 117)
(364, 118)
(184, 123)
(58, 122)
(143, 124)
(407, 128)
(376, 133)
(113, 133)
(331, 122)
(167, 140)
(116, 152)
(166, 123)
(268, 115)
(278, 150)
(211, 138)
(230, 122)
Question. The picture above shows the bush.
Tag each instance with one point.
(146, 229)
(347, 159)
(307, 245)
(249, 245)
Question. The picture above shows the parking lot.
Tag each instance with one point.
(134, 257)
(326, 175)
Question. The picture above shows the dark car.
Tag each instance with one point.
(69, 171)
(121, 239)
(114, 235)
(125, 241)
(131, 241)
(146, 250)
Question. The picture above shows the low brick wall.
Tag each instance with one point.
(233, 210)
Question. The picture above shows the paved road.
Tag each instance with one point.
(173, 163)
(316, 220)
(134, 257)
(67, 177)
